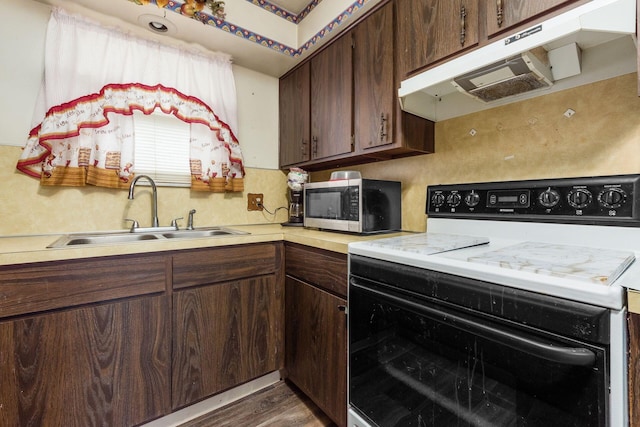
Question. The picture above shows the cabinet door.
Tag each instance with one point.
(505, 14)
(316, 346)
(332, 99)
(105, 365)
(431, 30)
(375, 97)
(295, 117)
(633, 324)
(224, 335)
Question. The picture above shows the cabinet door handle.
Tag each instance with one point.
(499, 13)
(463, 21)
(304, 148)
(383, 122)
(314, 146)
(343, 308)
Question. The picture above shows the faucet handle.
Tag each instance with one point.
(174, 222)
(134, 224)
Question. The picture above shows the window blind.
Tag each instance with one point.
(162, 149)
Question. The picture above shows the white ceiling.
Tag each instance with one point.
(242, 13)
(295, 6)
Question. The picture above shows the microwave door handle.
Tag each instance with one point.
(576, 356)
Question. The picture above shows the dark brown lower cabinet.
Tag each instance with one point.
(633, 324)
(103, 365)
(225, 334)
(92, 342)
(316, 328)
(317, 346)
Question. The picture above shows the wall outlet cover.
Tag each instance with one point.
(255, 202)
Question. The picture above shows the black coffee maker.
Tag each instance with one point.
(296, 206)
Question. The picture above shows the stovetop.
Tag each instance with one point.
(429, 243)
(510, 234)
(593, 265)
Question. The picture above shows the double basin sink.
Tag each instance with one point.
(115, 238)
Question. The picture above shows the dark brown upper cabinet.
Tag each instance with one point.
(374, 78)
(331, 100)
(502, 15)
(316, 101)
(431, 30)
(295, 119)
(355, 115)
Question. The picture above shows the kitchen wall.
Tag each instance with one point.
(27, 208)
(526, 140)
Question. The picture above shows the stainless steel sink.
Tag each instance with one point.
(200, 232)
(116, 238)
(100, 239)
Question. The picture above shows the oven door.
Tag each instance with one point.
(416, 362)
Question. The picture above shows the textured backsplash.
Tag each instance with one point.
(27, 208)
(526, 140)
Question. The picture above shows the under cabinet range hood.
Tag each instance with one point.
(589, 43)
(512, 76)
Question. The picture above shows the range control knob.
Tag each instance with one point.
(437, 200)
(472, 199)
(579, 198)
(612, 198)
(549, 198)
(454, 199)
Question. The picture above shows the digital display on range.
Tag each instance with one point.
(508, 199)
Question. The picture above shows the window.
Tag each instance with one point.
(162, 148)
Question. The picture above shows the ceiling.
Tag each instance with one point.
(268, 36)
(294, 6)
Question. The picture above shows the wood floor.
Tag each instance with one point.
(280, 405)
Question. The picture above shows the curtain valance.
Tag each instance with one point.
(90, 140)
(95, 77)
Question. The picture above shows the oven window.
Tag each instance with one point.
(411, 368)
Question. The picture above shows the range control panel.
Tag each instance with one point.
(604, 200)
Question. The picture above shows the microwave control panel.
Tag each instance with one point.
(613, 200)
(354, 203)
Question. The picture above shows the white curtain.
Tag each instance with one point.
(96, 76)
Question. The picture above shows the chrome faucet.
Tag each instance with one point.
(156, 223)
(190, 220)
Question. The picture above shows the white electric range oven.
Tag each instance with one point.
(509, 311)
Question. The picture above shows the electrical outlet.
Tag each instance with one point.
(255, 202)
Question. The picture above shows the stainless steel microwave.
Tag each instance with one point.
(353, 205)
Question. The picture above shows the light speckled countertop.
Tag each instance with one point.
(29, 249)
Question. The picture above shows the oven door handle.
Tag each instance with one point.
(576, 356)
